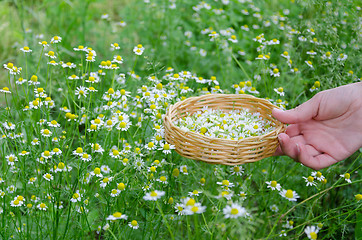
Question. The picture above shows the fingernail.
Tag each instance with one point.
(280, 139)
(277, 110)
(298, 148)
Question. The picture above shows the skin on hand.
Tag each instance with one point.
(324, 130)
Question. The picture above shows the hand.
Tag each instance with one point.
(324, 130)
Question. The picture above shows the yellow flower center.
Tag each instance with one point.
(117, 214)
(153, 194)
(289, 194)
(234, 211)
(190, 202)
(61, 165)
(225, 182)
(194, 209)
(122, 125)
(121, 186)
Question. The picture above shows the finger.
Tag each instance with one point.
(278, 152)
(302, 113)
(288, 147)
(317, 162)
(293, 130)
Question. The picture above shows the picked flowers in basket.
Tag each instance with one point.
(233, 125)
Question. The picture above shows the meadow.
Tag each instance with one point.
(85, 85)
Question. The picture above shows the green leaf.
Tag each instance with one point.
(358, 229)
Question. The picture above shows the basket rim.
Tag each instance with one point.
(230, 141)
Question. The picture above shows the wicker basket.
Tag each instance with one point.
(221, 151)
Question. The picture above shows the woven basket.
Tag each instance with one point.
(222, 151)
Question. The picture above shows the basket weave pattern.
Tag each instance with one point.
(216, 150)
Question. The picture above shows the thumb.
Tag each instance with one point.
(302, 113)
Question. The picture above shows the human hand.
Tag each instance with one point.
(324, 130)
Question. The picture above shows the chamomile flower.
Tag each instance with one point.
(225, 183)
(166, 147)
(50, 54)
(194, 193)
(342, 57)
(279, 91)
(318, 175)
(233, 39)
(358, 197)
(42, 206)
(105, 181)
(234, 211)
(114, 153)
(115, 192)
(153, 195)
(289, 194)
(43, 43)
(81, 92)
(46, 154)
(288, 224)
(311, 232)
(124, 125)
(56, 39)
(327, 55)
(46, 132)
(133, 224)
(274, 185)
(77, 197)
(48, 177)
(73, 77)
(34, 80)
(26, 49)
(11, 159)
(310, 64)
(183, 169)
(275, 72)
(138, 50)
(86, 157)
(68, 65)
(274, 208)
(346, 177)
(162, 179)
(116, 216)
(196, 208)
(105, 169)
(115, 46)
(310, 181)
(32, 180)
